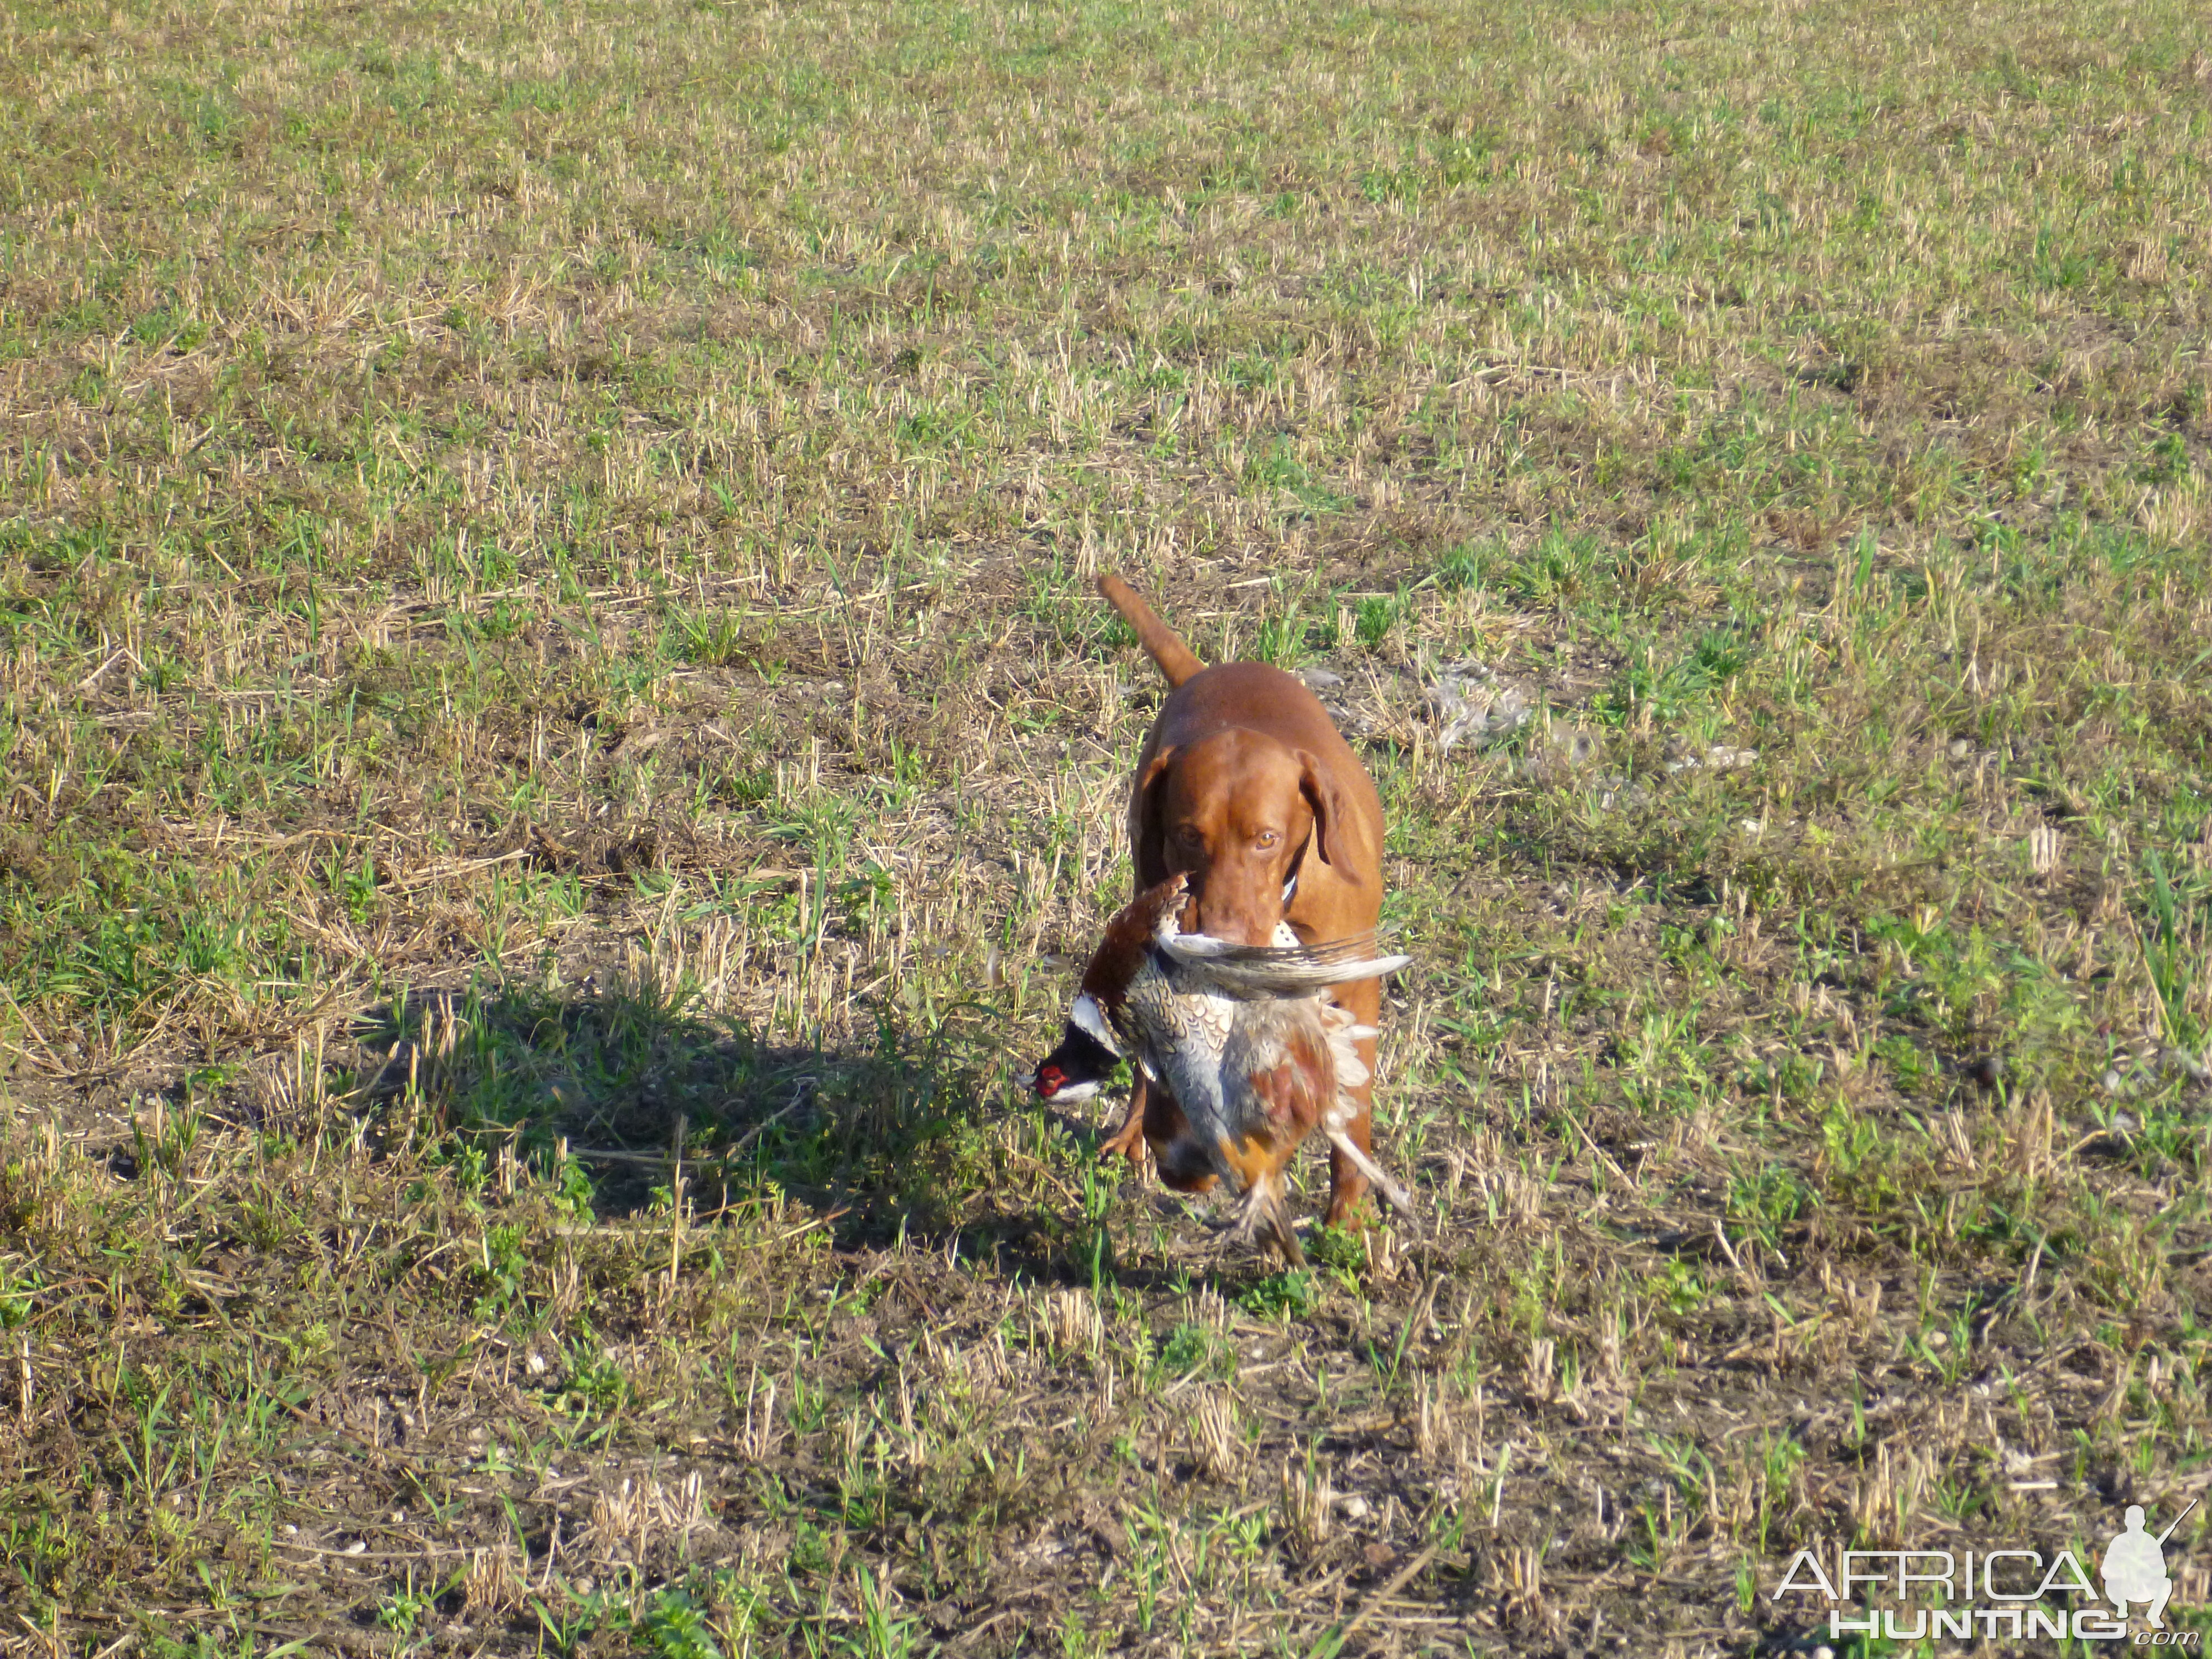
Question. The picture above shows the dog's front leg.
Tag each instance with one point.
(1128, 1140)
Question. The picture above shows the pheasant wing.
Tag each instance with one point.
(1275, 970)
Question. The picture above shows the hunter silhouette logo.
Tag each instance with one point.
(2014, 1594)
(2135, 1566)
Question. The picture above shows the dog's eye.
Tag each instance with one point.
(1267, 838)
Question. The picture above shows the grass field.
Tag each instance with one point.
(559, 747)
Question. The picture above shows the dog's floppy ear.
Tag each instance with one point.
(1331, 812)
(1148, 808)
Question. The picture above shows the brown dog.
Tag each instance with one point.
(1245, 785)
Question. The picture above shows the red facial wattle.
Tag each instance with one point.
(1050, 1081)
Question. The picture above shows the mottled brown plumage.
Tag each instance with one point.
(1243, 1059)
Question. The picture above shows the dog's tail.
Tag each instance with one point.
(1176, 659)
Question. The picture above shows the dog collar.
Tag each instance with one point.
(1297, 864)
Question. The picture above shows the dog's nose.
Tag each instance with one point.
(1236, 928)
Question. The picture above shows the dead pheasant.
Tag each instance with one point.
(1245, 1061)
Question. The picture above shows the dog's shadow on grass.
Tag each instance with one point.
(880, 1138)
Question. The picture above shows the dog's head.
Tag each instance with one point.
(1239, 812)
